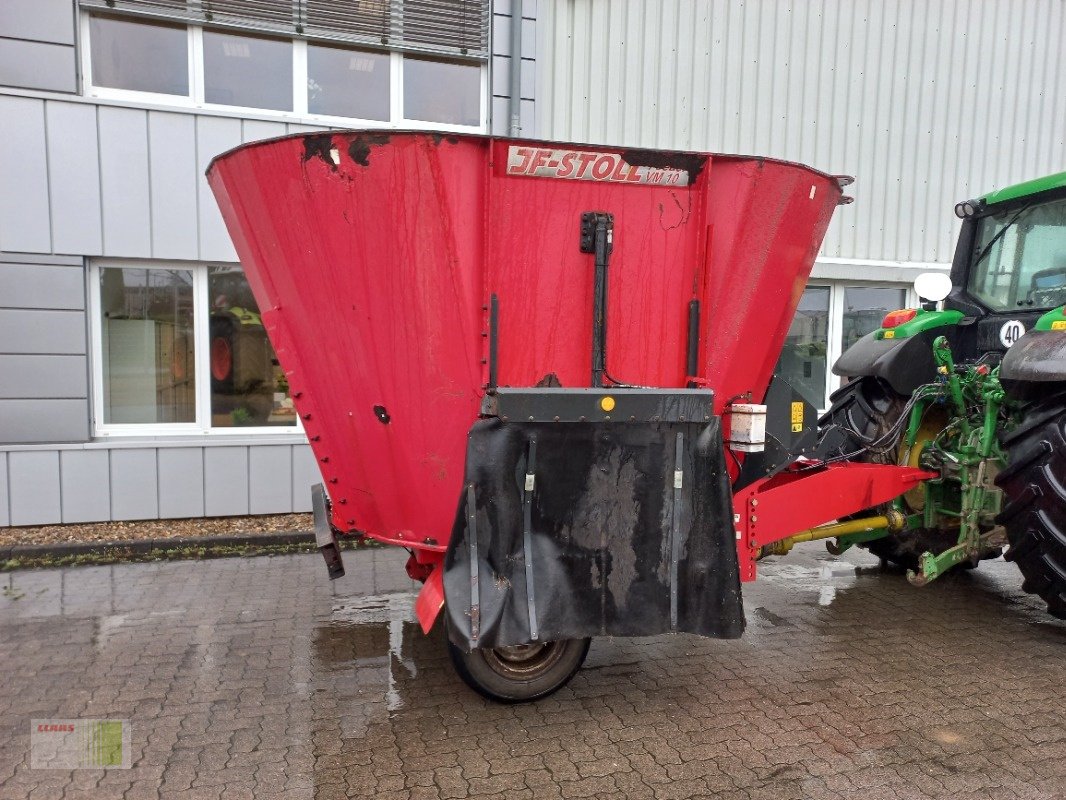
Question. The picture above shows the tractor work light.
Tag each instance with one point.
(895, 318)
(967, 208)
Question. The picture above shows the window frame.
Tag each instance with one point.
(201, 360)
(194, 101)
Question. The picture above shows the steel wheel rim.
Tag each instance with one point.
(524, 661)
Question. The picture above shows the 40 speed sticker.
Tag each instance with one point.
(1012, 331)
(580, 165)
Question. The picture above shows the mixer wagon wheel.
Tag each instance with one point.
(870, 407)
(1034, 512)
(521, 673)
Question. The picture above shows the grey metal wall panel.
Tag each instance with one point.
(38, 20)
(33, 421)
(38, 65)
(33, 478)
(5, 518)
(225, 481)
(501, 35)
(501, 68)
(36, 331)
(30, 376)
(254, 130)
(181, 482)
(925, 104)
(23, 176)
(85, 484)
(124, 182)
(74, 178)
(173, 178)
(214, 135)
(305, 474)
(47, 260)
(134, 484)
(270, 479)
(41, 286)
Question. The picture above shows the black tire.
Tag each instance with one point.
(863, 411)
(520, 674)
(1034, 511)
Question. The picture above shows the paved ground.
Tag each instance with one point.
(258, 678)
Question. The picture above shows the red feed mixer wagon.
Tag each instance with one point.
(544, 369)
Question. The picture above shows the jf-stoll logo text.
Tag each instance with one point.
(582, 165)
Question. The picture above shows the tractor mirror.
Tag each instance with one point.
(932, 286)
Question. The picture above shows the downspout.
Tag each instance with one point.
(516, 67)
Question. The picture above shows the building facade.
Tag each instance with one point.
(135, 377)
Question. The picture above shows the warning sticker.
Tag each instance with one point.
(581, 165)
(797, 417)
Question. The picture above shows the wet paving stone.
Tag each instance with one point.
(258, 678)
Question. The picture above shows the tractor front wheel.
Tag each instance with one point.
(1034, 488)
(521, 673)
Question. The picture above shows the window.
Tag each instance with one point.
(865, 307)
(182, 349)
(347, 83)
(146, 325)
(204, 66)
(139, 55)
(830, 319)
(441, 91)
(803, 360)
(247, 71)
(1025, 262)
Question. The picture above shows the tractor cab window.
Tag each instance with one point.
(1021, 258)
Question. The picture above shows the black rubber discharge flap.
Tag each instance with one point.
(601, 534)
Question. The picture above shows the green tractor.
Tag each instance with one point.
(971, 387)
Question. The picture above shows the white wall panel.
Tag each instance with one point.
(925, 103)
(85, 485)
(305, 474)
(270, 479)
(172, 181)
(225, 481)
(124, 182)
(135, 484)
(24, 225)
(214, 135)
(73, 178)
(4, 500)
(33, 479)
(181, 482)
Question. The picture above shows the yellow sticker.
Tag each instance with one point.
(797, 417)
(1059, 325)
(890, 334)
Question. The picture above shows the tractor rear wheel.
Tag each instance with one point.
(1034, 511)
(521, 673)
(863, 411)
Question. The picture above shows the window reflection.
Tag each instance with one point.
(149, 371)
(803, 359)
(248, 387)
(865, 307)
